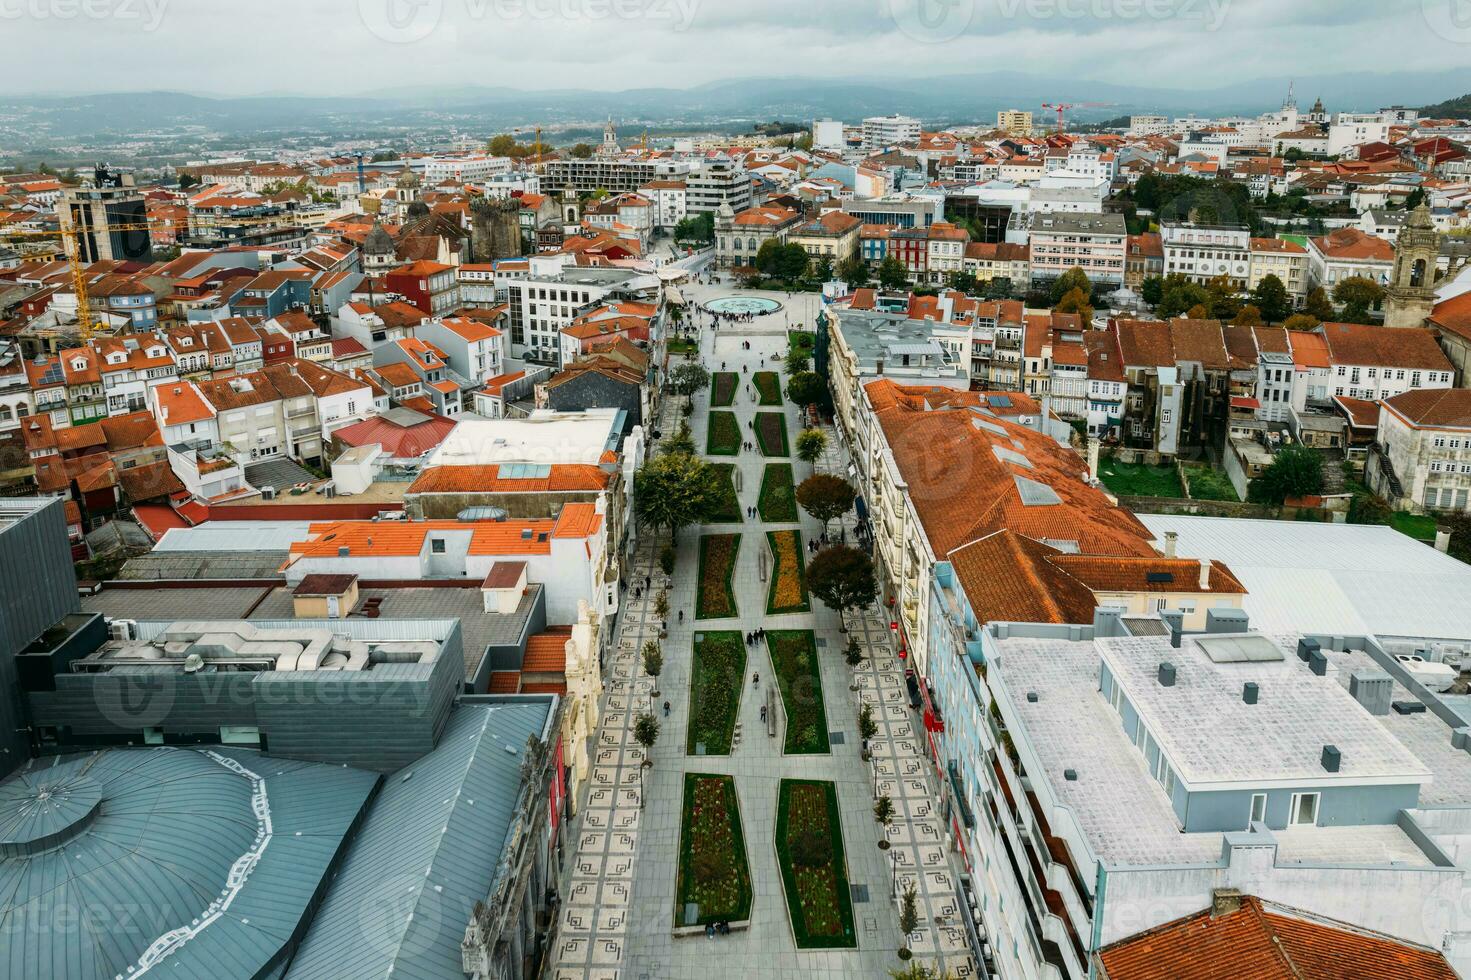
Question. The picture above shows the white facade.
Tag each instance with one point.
(1349, 130)
(1204, 252)
(883, 131)
(463, 170)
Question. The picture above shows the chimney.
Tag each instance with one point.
(1250, 692)
(1318, 663)
(1442, 539)
(1224, 901)
(1093, 450)
(1332, 758)
(1172, 541)
(1166, 675)
(1175, 621)
(1205, 574)
(1306, 648)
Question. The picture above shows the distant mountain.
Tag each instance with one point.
(939, 101)
(1457, 108)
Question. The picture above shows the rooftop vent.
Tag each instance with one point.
(1250, 692)
(1408, 708)
(1071, 775)
(1306, 647)
(1032, 697)
(1332, 758)
(1166, 675)
(1318, 663)
(343, 551)
(1374, 689)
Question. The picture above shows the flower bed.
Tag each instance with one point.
(713, 873)
(716, 599)
(723, 388)
(768, 386)
(728, 508)
(717, 670)
(809, 848)
(788, 593)
(778, 500)
(771, 434)
(794, 656)
(724, 438)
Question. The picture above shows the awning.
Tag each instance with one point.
(860, 508)
(1241, 401)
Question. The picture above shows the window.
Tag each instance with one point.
(1304, 811)
(437, 546)
(1258, 809)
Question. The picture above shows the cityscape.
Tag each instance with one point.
(656, 489)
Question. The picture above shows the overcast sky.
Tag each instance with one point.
(247, 47)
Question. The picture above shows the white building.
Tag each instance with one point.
(1421, 460)
(827, 134)
(1351, 129)
(880, 132)
(466, 169)
(1204, 252)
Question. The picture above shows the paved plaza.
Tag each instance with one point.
(619, 900)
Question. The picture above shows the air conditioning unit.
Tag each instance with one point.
(329, 489)
(122, 629)
(268, 493)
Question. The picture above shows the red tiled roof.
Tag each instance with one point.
(546, 653)
(1433, 408)
(1371, 346)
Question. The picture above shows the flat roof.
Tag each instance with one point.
(234, 536)
(1332, 579)
(543, 437)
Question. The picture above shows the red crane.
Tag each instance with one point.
(1062, 107)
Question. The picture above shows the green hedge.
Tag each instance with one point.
(797, 573)
(716, 596)
(723, 389)
(778, 501)
(798, 674)
(728, 509)
(724, 437)
(818, 902)
(715, 877)
(771, 434)
(768, 386)
(718, 668)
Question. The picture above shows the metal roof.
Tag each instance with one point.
(429, 850)
(235, 536)
(202, 863)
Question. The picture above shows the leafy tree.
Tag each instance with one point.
(792, 261)
(823, 270)
(187, 181)
(1198, 312)
(867, 727)
(675, 491)
(689, 378)
(799, 359)
(853, 653)
(1296, 471)
(1300, 321)
(384, 156)
(1459, 524)
(661, 604)
(1271, 298)
(768, 257)
(582, 151)
(646, 733)
(1224, 303)
(667, 558)
(1076, 301)
(965, 282)
(854, 271)
(1152, 290)
(1000, 287)
(653, 662)
(505, 145)
(892, 274)
(826, 497)
(921, 971)
(811, 444)
(1359, 295)
(806, 388)
(682, 443)
(909, 911)
(1367, 508)
(842, 577)
(883, 810)
(1319, 306)
(1180, 294)
(697, 228)
(1074, 278)
(1248, 316)
(1416, 198)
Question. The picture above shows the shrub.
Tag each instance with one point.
(666, 559)
(716, 599)
(771, 434)
(724, 438)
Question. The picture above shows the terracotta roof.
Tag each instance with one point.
(546, 653)
(1309, 350)
(505, 682)
(1146, 574)
(1352, 244)
(1370, 346)
(180, 404)
(1007, 578)
(404, 442)
(398, 374)
(1454, 316)
(401, 538)
(1433, 408)
(564, 478)
(504, 575)
(1261, 941)
(1362, 413)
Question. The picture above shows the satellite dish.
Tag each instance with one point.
(193, 663)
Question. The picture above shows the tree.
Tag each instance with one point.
(921, 971)
(768, 257)
(999, 288)
(504, 145)
(842, 577)
(965, 282)
(667, 558)
(187, 181)
(653, 662)
(811, 444)
(799, 359)
(1248, 316)
(1416, 198)
(1459, 524)
(1074, 278)
(696, 228)
(854, 271)
(682, 443)
(1152, 290)
(661, 604)
(853, 653)
(792, 261)
(1300, 321)
(1318, 305)
(1180, 294)
(867, 727)
(806, 388)
(1224, 303)
(689, 378)
(883, 810)
(826, 497)
(1198, 312)
(909, 913)
(646, 733)
(892, 274)
(1272, 299)
(582, 151)
(1296, 471)
(674, 491)
(1359, 295)
(1077, 301)
(823, 271)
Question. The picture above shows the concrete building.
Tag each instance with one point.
(1014, 122)
(1095, 243)
(881, 132)
(1205, 252)
(1421, 456)
(554, 294)
(721, 182)
(1279, 257)
(110, 217)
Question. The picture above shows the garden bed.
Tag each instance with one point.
(778, 501)
(771, 434)
(788, 593)
(799, 677)
(713, 872)
(723, 389)
(768, 386)
(718, 668)
(724, 437)
(728, 507)
(716, 598)
(814, 873)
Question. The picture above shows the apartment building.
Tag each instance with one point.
(1421, 457)
(739, 236)
(1014, 122)
(721, 182)
(1345, 254)
(1205, 252)
(1286, 260)
(1095, 243)
(1373, 363)
(550, 299)
(881, 132)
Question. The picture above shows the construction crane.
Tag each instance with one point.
(71, 245)
(1062, 107)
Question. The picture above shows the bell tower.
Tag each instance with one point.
(1411, 295)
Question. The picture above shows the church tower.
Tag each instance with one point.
(1411, 295)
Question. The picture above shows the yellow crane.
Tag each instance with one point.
(72, 246)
